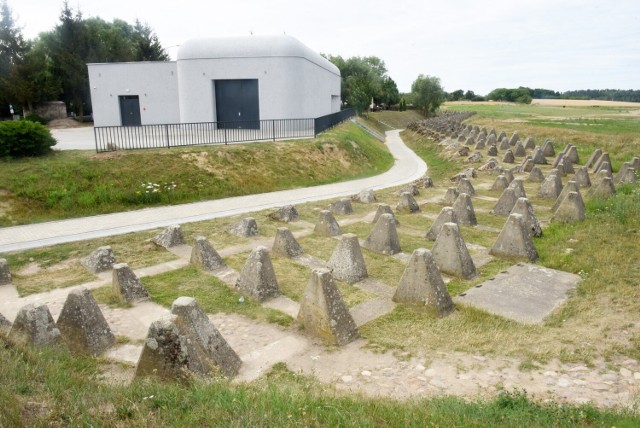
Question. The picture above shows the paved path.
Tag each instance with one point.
(408, 167)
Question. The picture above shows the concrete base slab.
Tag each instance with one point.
(524, 292)
(283, 304)
(371, 309)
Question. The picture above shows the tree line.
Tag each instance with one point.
(53, 65)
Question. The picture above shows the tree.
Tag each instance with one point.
(456, 95)
(12, 51)
(428, 94)
(365, 78)
(147, 44)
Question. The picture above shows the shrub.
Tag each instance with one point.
(35, 117)
(20, 138)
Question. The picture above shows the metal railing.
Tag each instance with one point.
(111, 138)
(323, 123)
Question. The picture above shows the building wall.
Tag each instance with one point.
(155, 83)
(289, 87)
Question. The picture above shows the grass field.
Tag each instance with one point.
(601, 322)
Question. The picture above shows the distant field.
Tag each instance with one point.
(584, 103)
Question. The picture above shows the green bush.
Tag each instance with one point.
(35, 117)
(20, 138)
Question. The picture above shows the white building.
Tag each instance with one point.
(244, 79)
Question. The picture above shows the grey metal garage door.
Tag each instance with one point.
(237, 103)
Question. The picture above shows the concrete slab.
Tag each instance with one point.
(525, 293)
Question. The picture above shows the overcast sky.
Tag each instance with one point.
(477, 45)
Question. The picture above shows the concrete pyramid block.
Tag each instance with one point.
(5, 274)
(515, 240)
(572, 154)
(426, 182)
(536, 175)
(285, 244)
(508, 174)
(582, 177)
(366, 196)
(603, 189)
(600, 175)
(568, 166)
(451, 255)
(285, 214)
(528, 165)
(323, 313)
(551, 187)
(342, 207)
(620, 176)
(635, 163)
(126, 284)
(557, 160)
(547, 148)
(34, 325)
(514, 138)
(492, 151)
(505, 203)
(508, 157)
(204, 256)
(196, 325)
(571, 186)
(407, 203)
(571, 209)
(100, 260)
(412, 188)
(518, 187)
(480, 145)
(245, 228)
(327, 224)
(519, 150)
(502, 135)
(593, 158)
(463, 207)
(384, 236)
(469, 141)
(562, 172)
(384, 209)
(538, 156)
(170, 354)
(529, 143)
(499, 184)
(504, 144)
(604, 157)
(629, 176)
(258, 279)
(83, 327)
(525, 209)
(465, 186)
(421, 284)
(170, 237)
(346, 262)
(450, 196)
(5, 325)
(491, 139)
(447, 215)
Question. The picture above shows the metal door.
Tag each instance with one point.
(237, 103)
(130, 110)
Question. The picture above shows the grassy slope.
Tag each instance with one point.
(48, 388)
(74, 183)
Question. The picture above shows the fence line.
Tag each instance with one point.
(111, 138)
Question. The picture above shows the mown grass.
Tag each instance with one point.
(78, 183)
(47, 387)
(212, 294)
(386, 120)
(59, 266)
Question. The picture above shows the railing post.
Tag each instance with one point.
(166, 134)
(225, 135)
(95, 138)
(273, 129)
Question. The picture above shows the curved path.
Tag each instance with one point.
(408, 167)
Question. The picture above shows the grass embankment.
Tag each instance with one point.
(78, 183)
(48, 388)
(385, 120)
